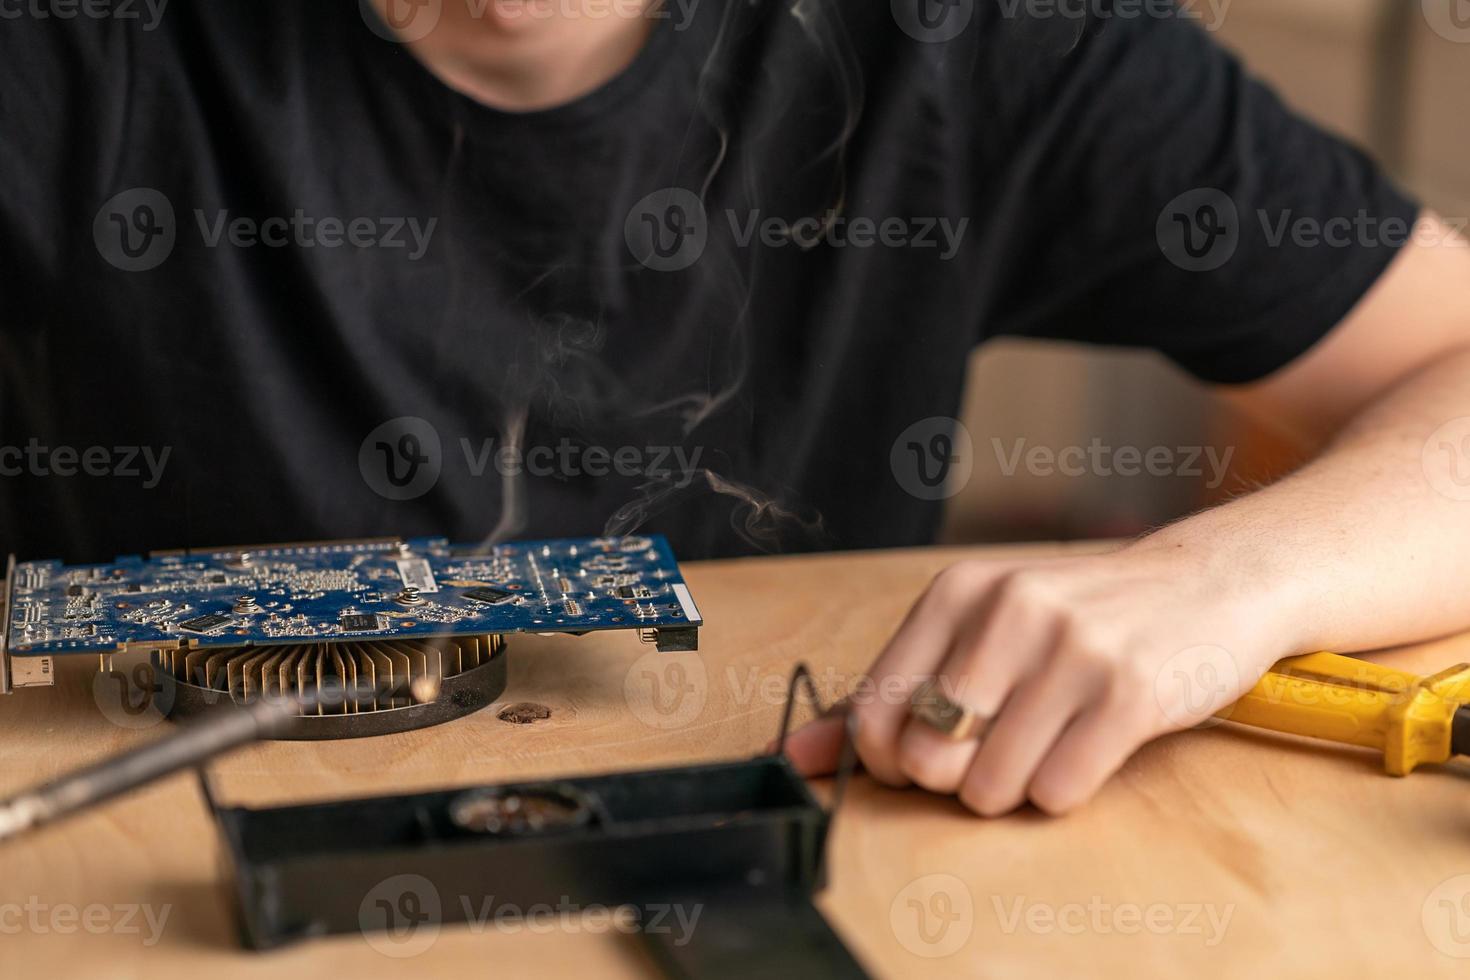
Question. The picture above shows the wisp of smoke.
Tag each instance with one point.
(759, 520)
(565, 373)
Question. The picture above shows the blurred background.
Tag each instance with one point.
(1390, 75)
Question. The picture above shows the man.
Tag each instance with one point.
(330, 267)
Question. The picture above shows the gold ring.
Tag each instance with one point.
(946, 716)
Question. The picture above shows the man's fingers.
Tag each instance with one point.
(931, 759)
(991, 653)
(815, 747)
(915, 653)
(1093, 747)
(1021, 738)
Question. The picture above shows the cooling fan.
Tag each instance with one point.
(226, 627)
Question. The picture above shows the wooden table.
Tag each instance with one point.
(1216, 852)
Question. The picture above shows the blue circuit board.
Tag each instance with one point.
(347, 590)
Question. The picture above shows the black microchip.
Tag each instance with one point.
(205, 623)
(358, 623)
(488, 595)
(625, 592)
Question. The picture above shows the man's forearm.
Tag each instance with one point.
(1368, 545)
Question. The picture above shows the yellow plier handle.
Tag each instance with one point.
(1412, 720)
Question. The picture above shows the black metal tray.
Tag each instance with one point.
(743, 842)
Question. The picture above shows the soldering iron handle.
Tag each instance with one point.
(192, 746)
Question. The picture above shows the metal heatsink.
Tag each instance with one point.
(468, 670)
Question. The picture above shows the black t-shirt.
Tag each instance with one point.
(268, 279)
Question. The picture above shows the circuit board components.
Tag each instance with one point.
(247, 622)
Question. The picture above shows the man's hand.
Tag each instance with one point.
(1082, 660)
(1077, 661)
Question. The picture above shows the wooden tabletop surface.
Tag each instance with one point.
(1215, 852)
